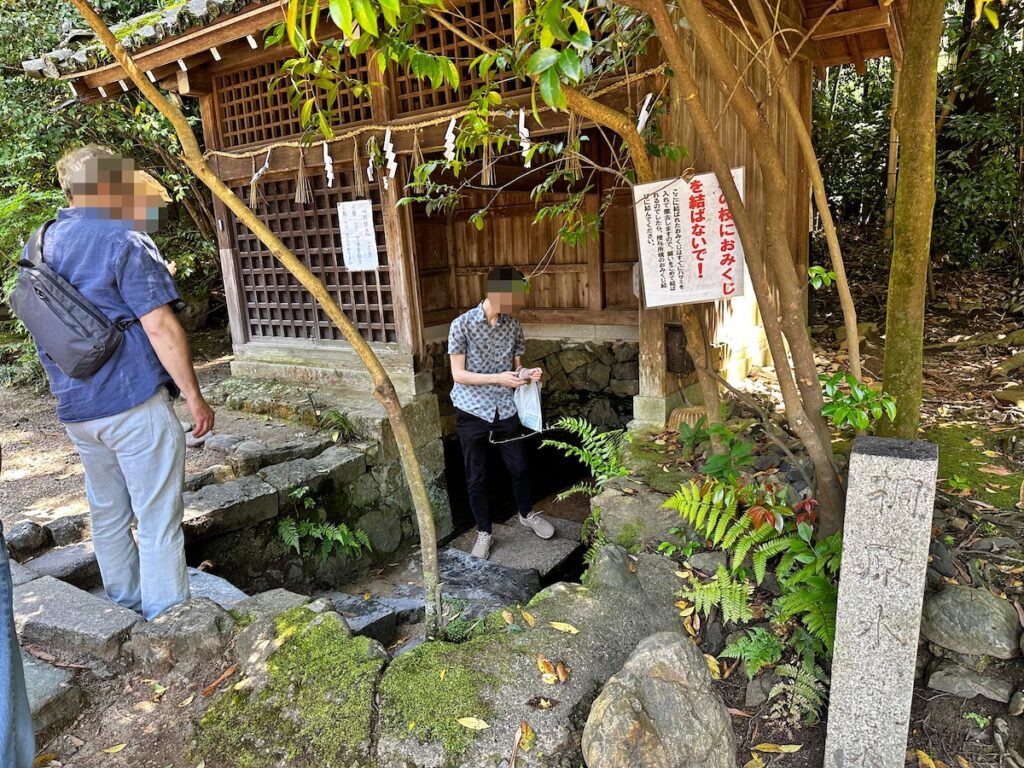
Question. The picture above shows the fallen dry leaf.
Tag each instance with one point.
(212, 687)
(924, 760)
(992, 469)
(777, 748)
(508, 617)
(561, 626)
(1020, 612)
(529, 736)
(442, 673)
(516, 741)
(963, 762)
(115, 749)
(738, 712)
(528, 617)
(42, 760)
(713, 667)
(755, 761)
(562, 671)
(185, 702)
(545, 666)
(542, 702)
(473, 723)
(976, 442)
(549, 678)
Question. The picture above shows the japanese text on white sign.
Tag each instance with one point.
(689, 248)
(358, 237)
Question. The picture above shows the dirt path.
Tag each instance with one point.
(42, 476)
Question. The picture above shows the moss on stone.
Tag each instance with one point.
(644, 458)
(630, 537)
(242, 618)
(958, 457)
(315, 709)
(426, 691)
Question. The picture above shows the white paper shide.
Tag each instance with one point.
(690, 251)
(358, 237)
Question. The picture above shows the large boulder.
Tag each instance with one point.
(495, 676)
(971, 621)
(660, 711)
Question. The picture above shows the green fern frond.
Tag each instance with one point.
(813, 602)
(753, 539)
(289, 532)
(758, 649)
(588, 489)
(803, 690)
(769, 550)
(723, 591)
(737, 529)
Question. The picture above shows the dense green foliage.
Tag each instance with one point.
(39, 121)
(979, 211)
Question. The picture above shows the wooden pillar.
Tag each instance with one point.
(237, 317)
(398, 231)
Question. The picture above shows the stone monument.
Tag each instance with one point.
(889, 501)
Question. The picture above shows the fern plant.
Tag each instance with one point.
(801, 691)
(724, 591)
(758, 649)
(713, 512)
(600, 452)
(307, 537)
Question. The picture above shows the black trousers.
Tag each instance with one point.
(474, 435)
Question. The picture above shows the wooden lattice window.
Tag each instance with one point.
(412, 95)
(275, 305)
(250, 112)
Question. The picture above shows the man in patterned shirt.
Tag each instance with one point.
(486, 346)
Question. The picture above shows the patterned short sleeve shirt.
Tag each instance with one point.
(488, 349)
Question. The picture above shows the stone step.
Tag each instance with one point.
(216, 588)
(232, 506)
(516, 546)
(76, 564)
(70, 623)
(22, 574)
(53, 695)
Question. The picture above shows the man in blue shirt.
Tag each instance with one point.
(486, 346)
(121, 419)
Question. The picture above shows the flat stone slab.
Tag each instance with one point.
(342, 464)
(220, 590)
(482, 585)
(53, 695)
(270, 603)
(289, 476)
(371, 617)
(516, 546)
(22, 574)
(68, 622)
(231, 506)
(952, 678)
(76, 564)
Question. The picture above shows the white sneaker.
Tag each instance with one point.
(540, 526)
(482, 547)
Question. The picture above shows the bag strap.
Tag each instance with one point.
(35, 246)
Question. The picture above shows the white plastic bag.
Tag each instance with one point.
(527, 400)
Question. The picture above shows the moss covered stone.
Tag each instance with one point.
(313, 707)
(655, 464)
(957, 456)
(426, 691)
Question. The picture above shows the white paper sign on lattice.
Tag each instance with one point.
(358, 237)
(690, 251)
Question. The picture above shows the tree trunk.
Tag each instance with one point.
(804, 418)
(384, 390)
(894, 157)
(783, 320)
(779, 72)
(912, 230)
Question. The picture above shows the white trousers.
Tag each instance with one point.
(135, 468)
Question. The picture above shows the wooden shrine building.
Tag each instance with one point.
(583, 319)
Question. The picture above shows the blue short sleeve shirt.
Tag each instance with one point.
(488, 349)
(120, 271)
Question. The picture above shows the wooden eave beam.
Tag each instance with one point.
(220, 32)
(894, 33)
(793, 31)
(849, 23)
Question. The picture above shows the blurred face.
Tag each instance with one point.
(507, 296)
(113, 189)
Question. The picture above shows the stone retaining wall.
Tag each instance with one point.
(595, 379)
(232, 517)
